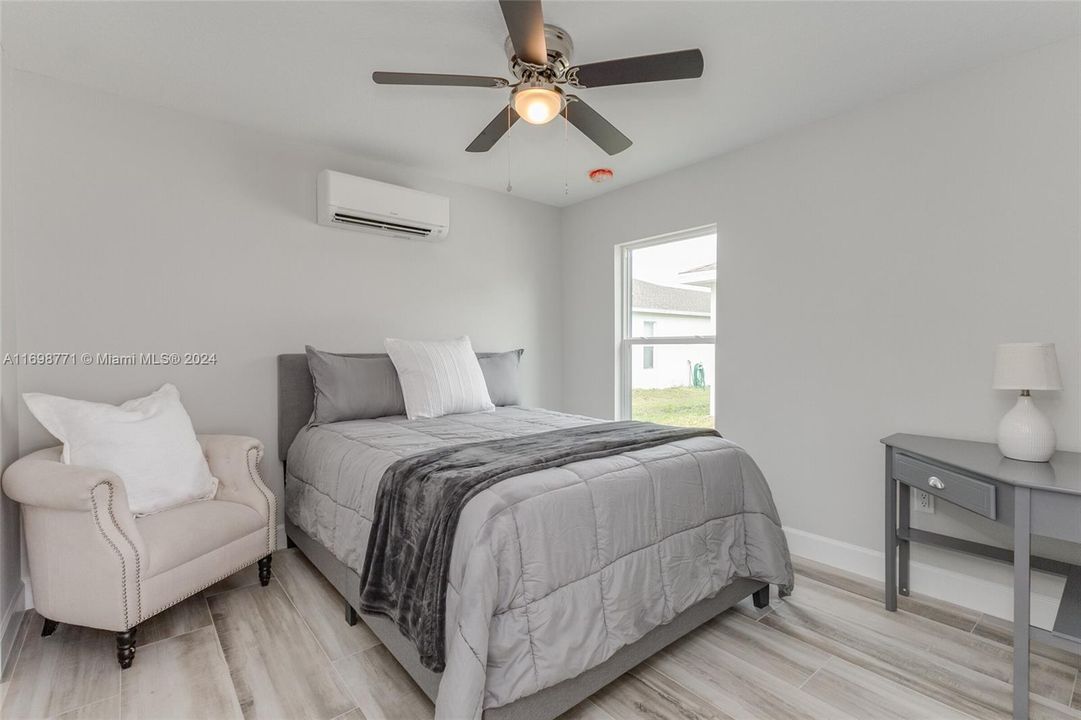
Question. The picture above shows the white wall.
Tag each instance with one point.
(867, 266)
(143, 229)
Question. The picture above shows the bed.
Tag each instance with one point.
(561, 579)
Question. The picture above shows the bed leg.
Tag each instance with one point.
(350, 614)
(761, 598)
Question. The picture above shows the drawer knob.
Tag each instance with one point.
(936, 483)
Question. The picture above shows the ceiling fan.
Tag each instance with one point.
(540, 60)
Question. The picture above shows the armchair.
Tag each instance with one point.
(93, 563)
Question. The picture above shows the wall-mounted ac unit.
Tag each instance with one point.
(356, 203)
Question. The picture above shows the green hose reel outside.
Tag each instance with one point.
(698, 376)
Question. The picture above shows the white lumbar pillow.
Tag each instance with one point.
(439, 377)
(148, 442)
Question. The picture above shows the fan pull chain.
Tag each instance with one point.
(509, 187)
(566, 148)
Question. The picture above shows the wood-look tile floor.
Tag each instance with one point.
(829, 652)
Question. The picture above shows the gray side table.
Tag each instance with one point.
(1034, 498)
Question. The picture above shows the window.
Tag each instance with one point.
(647, 350)
(667, 311)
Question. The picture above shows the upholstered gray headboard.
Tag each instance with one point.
(296, 398)
(296, 394)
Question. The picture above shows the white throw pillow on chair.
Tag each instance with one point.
(148, 442)
(439, 377)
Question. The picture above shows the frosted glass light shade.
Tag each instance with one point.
(1026, 366)
(537, 104)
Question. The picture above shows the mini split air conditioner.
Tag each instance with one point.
(356, 203)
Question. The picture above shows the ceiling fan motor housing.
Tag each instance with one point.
(560, 51)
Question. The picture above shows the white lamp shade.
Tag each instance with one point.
(1026, 366)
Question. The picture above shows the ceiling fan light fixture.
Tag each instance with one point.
(537, 102)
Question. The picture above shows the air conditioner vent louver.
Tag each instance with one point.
(382, 225)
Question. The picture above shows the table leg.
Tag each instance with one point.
(904, 502)
(891, 533)
(1022, 518)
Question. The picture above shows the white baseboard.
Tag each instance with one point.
(975, 593)
(9, 630)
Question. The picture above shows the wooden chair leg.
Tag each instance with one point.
(761, 598)
(264, 571)
(125, 648)
(49, 627)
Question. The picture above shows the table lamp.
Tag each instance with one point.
(1025, 433)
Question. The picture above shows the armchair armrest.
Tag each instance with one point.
(41, 480)
(84, 549)
(234, 461)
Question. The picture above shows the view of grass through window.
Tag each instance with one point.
(670, 325)
(683, 406)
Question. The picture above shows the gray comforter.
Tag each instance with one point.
(421, 498)
(553, 571)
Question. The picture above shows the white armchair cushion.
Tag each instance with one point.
(148, 442)
(181, 534)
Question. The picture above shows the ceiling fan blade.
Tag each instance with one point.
(397, 78)
(525, 22)
(594, 126)
(496, 129)
(678, 65)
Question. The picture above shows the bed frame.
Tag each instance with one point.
(295, 403)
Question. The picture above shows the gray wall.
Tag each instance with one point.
(11, 585)
(141, 229)
(868, 265)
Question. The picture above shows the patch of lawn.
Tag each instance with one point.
(683, 406)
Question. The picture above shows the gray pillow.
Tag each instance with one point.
(365, 385)
(354, 387)
(501, 376)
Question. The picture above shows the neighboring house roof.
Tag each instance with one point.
(701, 276)
(647, 295)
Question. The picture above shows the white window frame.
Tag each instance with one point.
(625, 339)
(648, 325)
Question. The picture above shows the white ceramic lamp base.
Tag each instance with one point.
(1025, 433)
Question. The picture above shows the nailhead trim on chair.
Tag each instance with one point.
(138, 562)
(204, 587)
(138, 565)
(101, 530)
(271, 520)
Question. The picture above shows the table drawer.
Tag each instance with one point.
(967, 492)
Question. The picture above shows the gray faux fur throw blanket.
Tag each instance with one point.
(420, 499)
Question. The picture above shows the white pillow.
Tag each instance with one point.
(439, 377)
(148, 442)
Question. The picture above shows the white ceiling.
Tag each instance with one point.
(303, 69)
